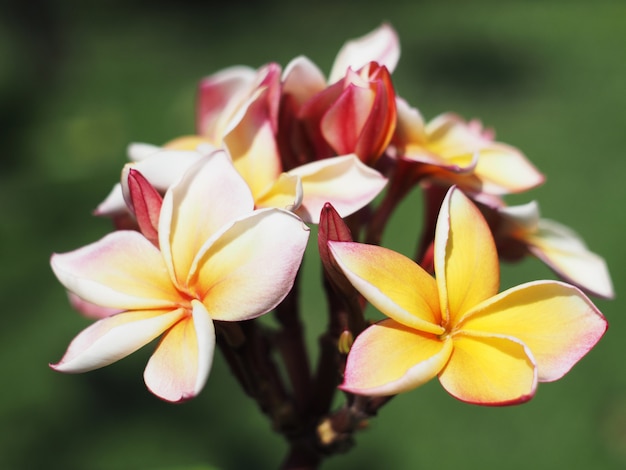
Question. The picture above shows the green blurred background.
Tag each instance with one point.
(81, 80)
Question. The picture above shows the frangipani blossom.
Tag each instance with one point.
(453, 151)
(562, 249)
(486, 348)
(216, 259)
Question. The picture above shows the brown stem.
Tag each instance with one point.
(292, 347)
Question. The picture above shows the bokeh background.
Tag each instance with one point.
(81, 80)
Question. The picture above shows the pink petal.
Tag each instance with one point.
(145, 202)
(343, 122)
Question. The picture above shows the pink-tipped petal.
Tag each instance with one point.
(110, 339)
(489, 370)
(210, 195)
(90, 310)
(381, 45)
(180, 365)
(219, 97)
(389, 358)
(123, 270)
(392, 283)
(466, 260)
(557, 322)
(248, 269)
(345, 182)
(252, 145)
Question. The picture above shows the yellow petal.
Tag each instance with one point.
(285, 193)
(466, 260)
(504, 170)
(210, 195)
(252, 146)
(489, 370)
(180, 365)
(251, 266)
(557, 322)
(389, 358)
(392, 283)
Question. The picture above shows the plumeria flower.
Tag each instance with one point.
(217, 259)
(453, 151)
(486, 348)
(521, 230)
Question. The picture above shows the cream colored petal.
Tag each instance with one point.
(209, 196)
(392, 283)
(250, 267)
(344, 181)
(557, 322)
(123, 271)
(389, 358)
(466, 260)
(285, 193)
(566, 253)
(112, 338)
(381, 45)
(302, 79)
(180, 365)
(489, 370)
(504, 170)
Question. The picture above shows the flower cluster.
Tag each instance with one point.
(211, 229)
